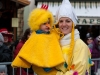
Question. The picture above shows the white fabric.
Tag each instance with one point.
(67, 38)
(66, 10)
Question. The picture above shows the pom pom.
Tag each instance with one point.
(75, 73)
(73, 67)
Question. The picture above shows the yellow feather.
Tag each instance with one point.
(38, 17)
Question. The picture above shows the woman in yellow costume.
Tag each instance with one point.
(42, 50)
(75, 52)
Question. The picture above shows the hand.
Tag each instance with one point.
(90, 46)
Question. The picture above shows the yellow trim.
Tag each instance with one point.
(68, 51)
(58, 31)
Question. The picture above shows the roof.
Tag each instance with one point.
(61, 0)
(21, 3)
(81, 8)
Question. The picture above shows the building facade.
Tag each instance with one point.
(9, 9)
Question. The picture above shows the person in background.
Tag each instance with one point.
(96, 53)
(7, 36)
(97, 40)
(90, 41)
(22, 41)
(5, 53)
(24, 38)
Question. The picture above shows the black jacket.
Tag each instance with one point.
(5, 54)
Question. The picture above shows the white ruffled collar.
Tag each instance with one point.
(66, 39)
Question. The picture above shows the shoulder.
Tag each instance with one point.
(80, 46)
(20, 44)
(80, 42)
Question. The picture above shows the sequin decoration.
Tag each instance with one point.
(65, 65)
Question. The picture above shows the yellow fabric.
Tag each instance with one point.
(67, 73)
(70, 50)
(39, 16)
(79, 59)
(40, 71)
(42, 50)
(17, 62)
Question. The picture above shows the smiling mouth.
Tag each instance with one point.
(65, 28)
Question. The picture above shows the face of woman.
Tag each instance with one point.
(5, 39)
(89, 40)
(65, 25)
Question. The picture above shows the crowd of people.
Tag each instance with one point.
(94, 46)
(50, 49)
(10, 49)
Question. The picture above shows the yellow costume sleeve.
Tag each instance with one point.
(80, 59)
(42, 50)
(40, 71)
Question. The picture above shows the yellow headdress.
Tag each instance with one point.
(39, 16)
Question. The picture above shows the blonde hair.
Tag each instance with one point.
(70, 50)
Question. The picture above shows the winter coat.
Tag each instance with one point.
(95, 51)
(5, 52)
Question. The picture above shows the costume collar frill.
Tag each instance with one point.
(42, 50)
(67, 38)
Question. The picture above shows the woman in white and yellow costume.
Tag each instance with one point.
(75, 52)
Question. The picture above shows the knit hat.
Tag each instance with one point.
(1, 40)
(89, 35)
(39, 16)
(66, 10)
(4, 31)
